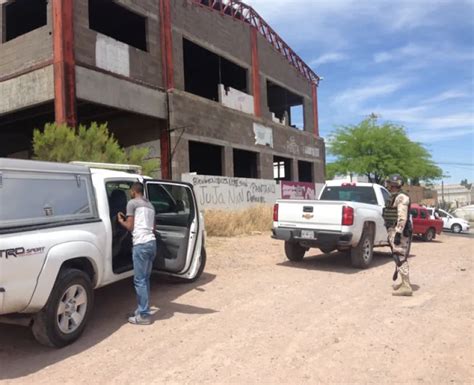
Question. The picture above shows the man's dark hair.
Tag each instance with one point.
(137, 187)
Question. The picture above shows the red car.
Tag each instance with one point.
(423, 224)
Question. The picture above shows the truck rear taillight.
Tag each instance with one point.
(275, 212)
(347, 216)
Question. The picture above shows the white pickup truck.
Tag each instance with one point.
(59, 240)
(347, 217)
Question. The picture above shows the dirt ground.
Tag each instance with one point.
(254, 317)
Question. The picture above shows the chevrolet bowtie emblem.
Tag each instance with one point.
(308, 216)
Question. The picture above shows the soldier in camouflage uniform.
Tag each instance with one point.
(396, 216)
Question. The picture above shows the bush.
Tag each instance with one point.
(223, 223)
(60, 143)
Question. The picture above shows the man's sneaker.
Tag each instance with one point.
(139, 320)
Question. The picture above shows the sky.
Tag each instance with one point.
(409, 62)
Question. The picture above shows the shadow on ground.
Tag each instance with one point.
(21, 355)
(336, 262)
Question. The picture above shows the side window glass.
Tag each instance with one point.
(414, 213)
(173, 204)
(45, 197)
(423, 214)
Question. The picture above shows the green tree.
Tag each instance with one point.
(378, 151)
(60, 143)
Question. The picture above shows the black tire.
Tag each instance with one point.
(46, 327)
(429, 235)
(199, 272)
(362, 254)
(294, 252)
(456, 228)
(326, 250)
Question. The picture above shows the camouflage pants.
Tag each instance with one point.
(402, 249)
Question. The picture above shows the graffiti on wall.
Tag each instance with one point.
(222, 192)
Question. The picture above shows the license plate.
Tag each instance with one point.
(307, 234)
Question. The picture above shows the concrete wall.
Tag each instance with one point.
(143, 66)
(120, 93)
(26, 51)
(207, 121)
(29, 89)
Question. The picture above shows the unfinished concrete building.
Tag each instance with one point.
(206, 84)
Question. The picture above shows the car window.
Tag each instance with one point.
(423, 214)
(362, 194)
(173, 204)
(414, 213)
(45, 197)
(442, 214)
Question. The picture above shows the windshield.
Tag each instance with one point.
(362, 194)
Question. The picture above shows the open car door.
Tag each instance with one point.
(178, 228)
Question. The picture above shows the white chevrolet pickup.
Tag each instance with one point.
(59, 240)
(347, 217)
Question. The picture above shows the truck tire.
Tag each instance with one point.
(67, 311)
(294, 251)
(456, 228)
(362, 254)
(429, 235)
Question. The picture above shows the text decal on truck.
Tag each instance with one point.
(20, 252)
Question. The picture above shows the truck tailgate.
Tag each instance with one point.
(325, 215)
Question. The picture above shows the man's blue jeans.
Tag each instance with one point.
(143, 257)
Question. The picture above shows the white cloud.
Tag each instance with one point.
(330, 57)
(355, 97)
(424, 54)
(447, 95)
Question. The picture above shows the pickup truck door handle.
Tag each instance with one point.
(307, 209)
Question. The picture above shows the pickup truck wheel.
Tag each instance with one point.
(67, 311)
(362, 254)
(429, 235)
(294, 252)
(456, 228)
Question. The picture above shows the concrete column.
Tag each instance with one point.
(294, 170)
(180, 161)
(315, 109)
(2, 23)
(168, 81)
(64, 63)
(265, 165)
(228, 161)
(255, 72)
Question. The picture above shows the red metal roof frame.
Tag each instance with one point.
(245, 13)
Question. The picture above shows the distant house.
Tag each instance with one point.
(455, 194)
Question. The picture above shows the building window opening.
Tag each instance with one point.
(204, 71)
(286, 107)
(305, 171)
(205, 159)
(118, 22)
(23, 16)
(281, 168)
(245, 164)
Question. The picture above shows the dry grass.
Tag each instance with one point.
(228, 223)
